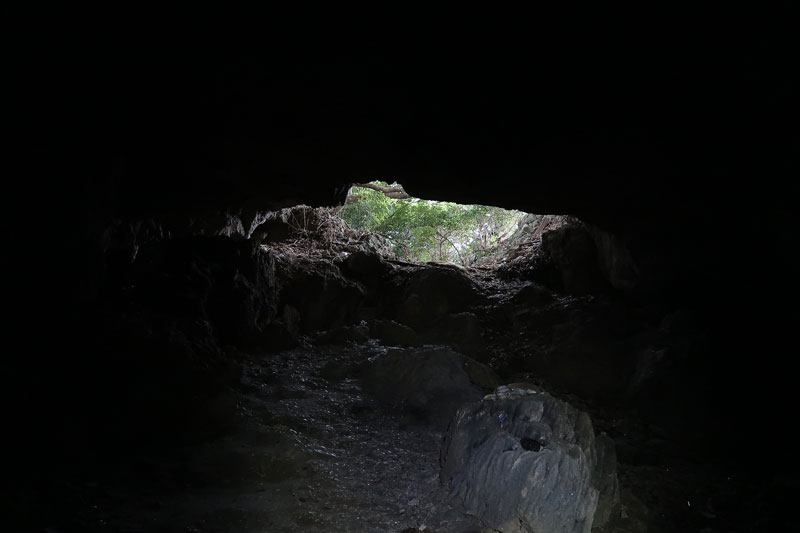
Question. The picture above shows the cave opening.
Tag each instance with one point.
(412, 229)
(215, 351)
(428, 230)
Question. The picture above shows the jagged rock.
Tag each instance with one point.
(220, 223)
(573, 251)
(122, 240)
(523, 461)
(321, 294)
(532, 264)
(296, 222)
(270, 231)
(364, 264)
(430, 384)
(377, 244)
(251, 219)
(230, 284)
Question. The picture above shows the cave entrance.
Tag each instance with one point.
(385, 219)
(419, 230)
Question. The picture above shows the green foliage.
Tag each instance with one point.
(424, 230)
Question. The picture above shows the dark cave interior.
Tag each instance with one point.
(170, 333)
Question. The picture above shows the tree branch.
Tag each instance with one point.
(395, 191)
(458, 254)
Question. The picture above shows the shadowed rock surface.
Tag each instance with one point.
(524, 461)
(137, 306)
(430, 384)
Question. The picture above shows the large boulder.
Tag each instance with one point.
(522, 460)
(433, 293)
(429, 384)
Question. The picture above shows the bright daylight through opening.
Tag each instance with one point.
(426, 230)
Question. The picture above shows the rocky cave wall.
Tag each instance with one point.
(696, 200)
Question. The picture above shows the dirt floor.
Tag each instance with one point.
(311, 450)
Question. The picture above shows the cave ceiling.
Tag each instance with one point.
(612, 136)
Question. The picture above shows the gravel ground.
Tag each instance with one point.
(310, 452)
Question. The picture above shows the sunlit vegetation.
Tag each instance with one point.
(425, 230)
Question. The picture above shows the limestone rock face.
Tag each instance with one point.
(524, 461)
